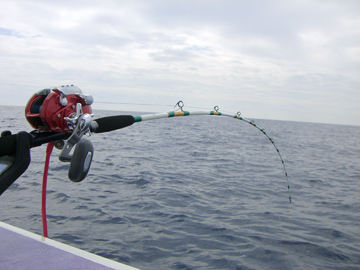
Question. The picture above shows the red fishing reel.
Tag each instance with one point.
(53, 108)
(65, 109)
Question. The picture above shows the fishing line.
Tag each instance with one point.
(150, 104)
(132, 103)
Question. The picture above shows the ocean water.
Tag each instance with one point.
(202, 192)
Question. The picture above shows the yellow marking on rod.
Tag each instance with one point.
(179, 113)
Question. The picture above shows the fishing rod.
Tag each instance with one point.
(62, 116)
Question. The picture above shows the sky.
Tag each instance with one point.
(292, 60)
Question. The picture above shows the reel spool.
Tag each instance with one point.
(65, 109)
(48, 108)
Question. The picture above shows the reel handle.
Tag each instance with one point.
(81, 160)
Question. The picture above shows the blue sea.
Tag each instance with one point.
(201, 192)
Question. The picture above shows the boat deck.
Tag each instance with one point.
(21, 249)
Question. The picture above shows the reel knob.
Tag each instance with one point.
(81, 160)
(59, 144)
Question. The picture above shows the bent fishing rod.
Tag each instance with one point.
(62, 116)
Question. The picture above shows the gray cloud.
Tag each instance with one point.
(260, 55)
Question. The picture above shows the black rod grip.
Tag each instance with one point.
(7, 145)
(110, 123)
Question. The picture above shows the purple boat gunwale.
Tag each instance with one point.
(22, 249)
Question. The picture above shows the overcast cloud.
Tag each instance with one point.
(289, 60)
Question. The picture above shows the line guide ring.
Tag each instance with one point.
(180, 104)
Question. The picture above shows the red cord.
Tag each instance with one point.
(49, 149)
